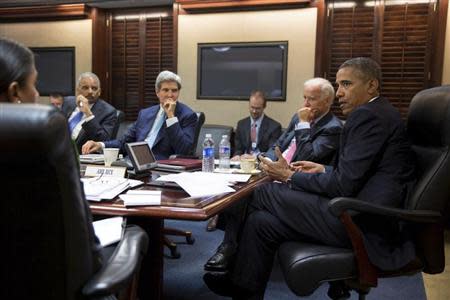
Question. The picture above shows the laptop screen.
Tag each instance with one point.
(141, 156)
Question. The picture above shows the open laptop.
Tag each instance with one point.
(141, 156)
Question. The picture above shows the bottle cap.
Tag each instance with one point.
(208, 135)
(224, 136)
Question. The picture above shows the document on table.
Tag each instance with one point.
(106, 188)
(109, 230)
(141, 197)
(198, 184)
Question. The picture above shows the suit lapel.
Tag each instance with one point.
(247, 139)
(262, 131)
(322, 122)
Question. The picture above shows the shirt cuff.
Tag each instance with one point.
(103, 145)
(302, 125)
(171, 121)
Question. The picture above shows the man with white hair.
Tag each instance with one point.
(169, 127)
(313, 133)
(89, 117)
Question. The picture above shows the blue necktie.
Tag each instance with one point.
(75, 120)
(155, 130)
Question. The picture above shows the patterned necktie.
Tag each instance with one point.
(289, 153)
(253, 133)
(155, 129)
(75, 120)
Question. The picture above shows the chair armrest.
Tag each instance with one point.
(339, 205)
(121, 267)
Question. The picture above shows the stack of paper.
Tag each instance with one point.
(109, 230)
(199, 184)
(141, 197)
(106, 188)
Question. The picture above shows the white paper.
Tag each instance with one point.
(198, 184)
(141, 197)
(107, 188)
(109, 230)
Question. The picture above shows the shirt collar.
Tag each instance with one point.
(257, 121)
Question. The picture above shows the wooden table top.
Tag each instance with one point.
(177, 204)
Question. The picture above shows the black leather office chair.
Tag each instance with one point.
(306, 266)
(216, 131)
(48, 243)
(120, 119)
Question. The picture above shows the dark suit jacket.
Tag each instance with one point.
(176, 139)
(98, 129)
(318, 144)
(375, 164)
(268, 133)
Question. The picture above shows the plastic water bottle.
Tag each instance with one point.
(208, 154)
(224, 153)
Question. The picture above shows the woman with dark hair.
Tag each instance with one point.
(17, 73)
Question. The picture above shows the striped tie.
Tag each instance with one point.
(75, 120)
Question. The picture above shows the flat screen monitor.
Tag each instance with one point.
(141, 156)
(56, 70)
(234, 70)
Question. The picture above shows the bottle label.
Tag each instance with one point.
(208, 152)
(224, 150)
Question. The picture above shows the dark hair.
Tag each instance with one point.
(260, 94)
(366, 68)
(16, 63)
(56, 95)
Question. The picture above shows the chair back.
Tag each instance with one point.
(198, 127)
(47, 234)
(123, 128)
(120, 118)
(216, 132)
(429, 130)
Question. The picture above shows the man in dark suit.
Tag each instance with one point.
(89, 117)
(169, 128)
(257, 132)
(314, 131)
(313, 134)
(375, 164)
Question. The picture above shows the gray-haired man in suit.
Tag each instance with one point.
(89, 117)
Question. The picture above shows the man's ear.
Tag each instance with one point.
(373, 86)
(13, 92)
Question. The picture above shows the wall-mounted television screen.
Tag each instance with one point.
(56, 70)
(233, 70)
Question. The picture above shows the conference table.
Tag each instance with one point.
(175, 204)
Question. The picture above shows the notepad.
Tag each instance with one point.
(141, 198)
(108, 231)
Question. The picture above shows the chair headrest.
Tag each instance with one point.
(30, 126)
(429, 117)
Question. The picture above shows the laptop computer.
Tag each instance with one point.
(141, 156)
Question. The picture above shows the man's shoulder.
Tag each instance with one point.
(244, 120)
(184, 109)
(272, 122)
(105, 105)
(333, 120)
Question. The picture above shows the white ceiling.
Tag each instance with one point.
(94, 3)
